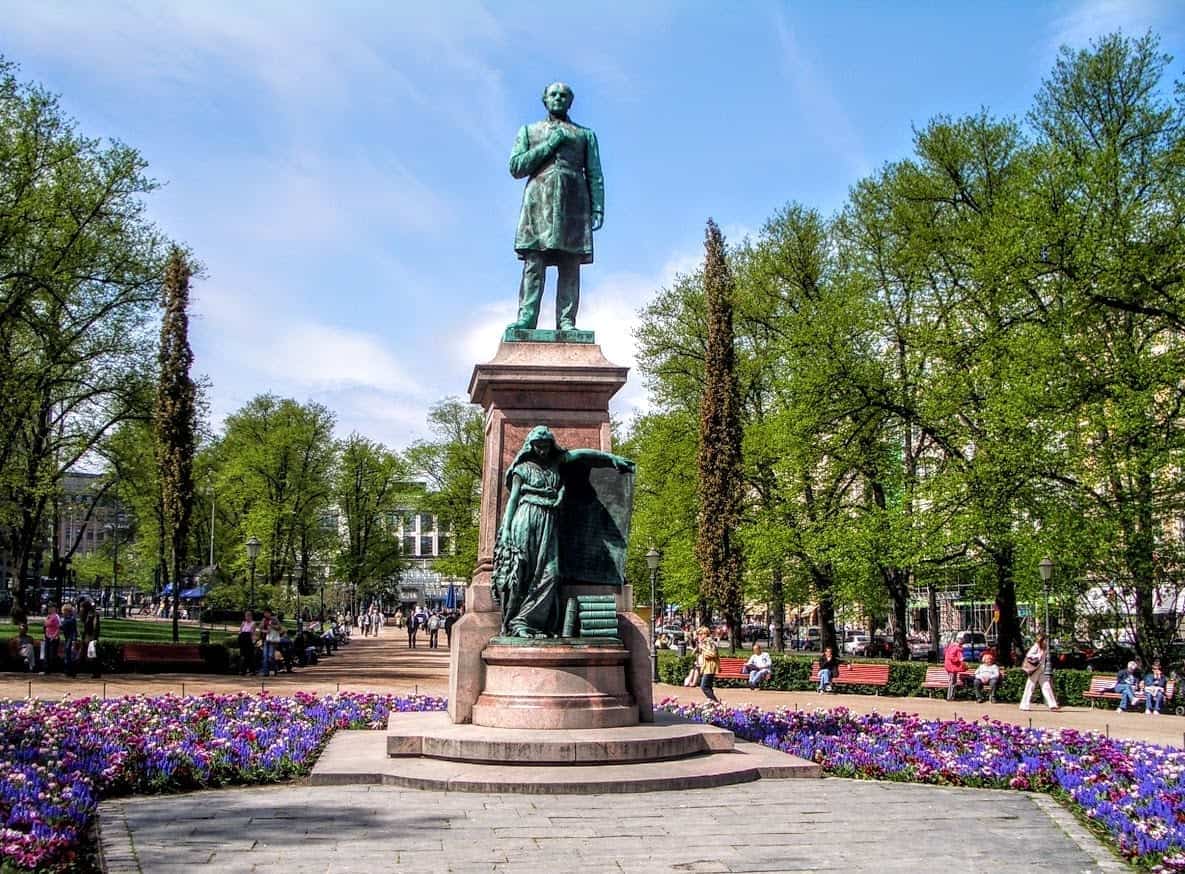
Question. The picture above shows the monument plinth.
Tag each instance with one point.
(567, 387)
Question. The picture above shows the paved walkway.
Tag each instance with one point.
(787, 825)
(385, 664)
(770, 826)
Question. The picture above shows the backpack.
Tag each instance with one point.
(434, 623)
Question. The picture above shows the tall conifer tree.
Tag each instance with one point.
(175, 418)
(718, 546)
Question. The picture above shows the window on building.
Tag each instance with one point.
(409, 544)
(426, 545)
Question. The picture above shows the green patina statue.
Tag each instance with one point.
(561, 523)
(563, 204)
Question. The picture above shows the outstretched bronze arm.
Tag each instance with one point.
(597, 458)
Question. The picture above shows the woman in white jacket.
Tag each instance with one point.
(1035, 661)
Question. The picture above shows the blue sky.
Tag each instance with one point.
(340, 168)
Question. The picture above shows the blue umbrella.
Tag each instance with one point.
(450, 600)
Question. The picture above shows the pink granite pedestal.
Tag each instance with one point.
(557, 686)
(567, 387)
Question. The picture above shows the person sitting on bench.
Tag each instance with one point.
(759, 667)
(987, 676)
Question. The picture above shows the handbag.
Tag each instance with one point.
(1030, 665)
(693, 677)
(92, 650)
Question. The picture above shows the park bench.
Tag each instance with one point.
(1100, 690)
(936, 678)
(856, 674)
(171, 654)
(732, 668)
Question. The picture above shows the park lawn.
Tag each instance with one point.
(119, 630)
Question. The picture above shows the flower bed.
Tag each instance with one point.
(1133, 792)
(60, 759)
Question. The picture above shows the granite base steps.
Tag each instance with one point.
(427, 751)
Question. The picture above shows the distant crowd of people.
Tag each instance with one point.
(70, 642)
(266, 645)
(430, 622)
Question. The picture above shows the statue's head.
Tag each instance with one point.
(541, 441)
(558, 97)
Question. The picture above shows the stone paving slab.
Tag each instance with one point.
(777, 826)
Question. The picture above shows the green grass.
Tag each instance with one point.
(119, 630)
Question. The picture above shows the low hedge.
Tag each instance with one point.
(792, 673)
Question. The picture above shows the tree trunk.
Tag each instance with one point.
(1008, 635)
(778, 609)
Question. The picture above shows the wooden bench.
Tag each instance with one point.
(856, 674)
(163, 654)
(937, 678)
(732, 668)
(1100, 690)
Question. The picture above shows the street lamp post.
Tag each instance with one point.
(252, 553)
(324, 582)
(652, 558)
(210, 492)
(1046, 569)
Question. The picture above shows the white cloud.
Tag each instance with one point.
(312, 198)
(247, 342)
(1090, 19)
(817, 100)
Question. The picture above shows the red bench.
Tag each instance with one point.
(163, 654)
(1100, 690)
(856, 674)
(730, 669)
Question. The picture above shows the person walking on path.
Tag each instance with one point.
(449, 622)
(413, 626)
(247, 643)
(952, 660)
(1034, 665)
(434, 631)
(707, 658)
(376, 620)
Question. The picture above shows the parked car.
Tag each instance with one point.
(921, 650)
(974, 644)
(809, 639)
(855, 643)
(674, 631)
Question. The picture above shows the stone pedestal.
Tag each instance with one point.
(560, 685)
(565, 386)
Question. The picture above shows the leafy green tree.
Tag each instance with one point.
(451, 462)
(274, 473)
(369, 488)
(1104, 227)
(80, 275)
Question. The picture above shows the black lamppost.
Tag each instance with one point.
(652, 558)
(252, 554)
(1046, 569)
(324, 581)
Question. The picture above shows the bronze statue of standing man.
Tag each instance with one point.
(563, 204)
